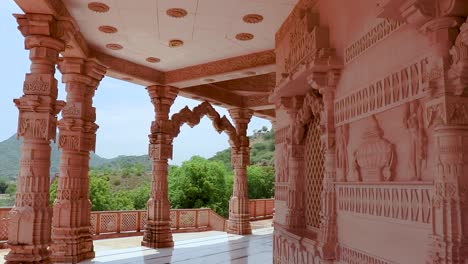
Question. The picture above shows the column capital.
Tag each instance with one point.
(162, 91)
(81, 70)
(241, 115)
(43, 30)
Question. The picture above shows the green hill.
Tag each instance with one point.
(262, 143)
(10, 155)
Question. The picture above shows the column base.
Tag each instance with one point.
(157, 235)
(28, 254)
(239, 217)
(239, 227)
(71, 245)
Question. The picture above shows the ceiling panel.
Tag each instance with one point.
(208, 30)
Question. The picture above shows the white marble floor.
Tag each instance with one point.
(204, 247)
(201, 247)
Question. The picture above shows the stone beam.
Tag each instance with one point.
(213, 94)
(221, 66)
(257, 102)
(269, 114)
(127, 68)
(258, 83)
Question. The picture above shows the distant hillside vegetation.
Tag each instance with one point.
(262, 149)
(262, 144)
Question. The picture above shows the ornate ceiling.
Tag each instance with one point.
(212, 46)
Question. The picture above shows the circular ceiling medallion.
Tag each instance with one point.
(244, 36)
(108, 29)
(176, 12)
(252, 18)
(114, 46)
(175, 43)
(250, 73)
(209, 80)
(98, 7)
(153, 59)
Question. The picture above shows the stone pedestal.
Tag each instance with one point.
(158, 229)
(30, 218)
(239, 217)
(71, 227)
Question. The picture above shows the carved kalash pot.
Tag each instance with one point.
(374, 156)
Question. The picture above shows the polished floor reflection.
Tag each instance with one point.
(204, 247)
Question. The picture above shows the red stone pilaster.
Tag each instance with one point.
(450, 194)
(239, 218)
(295, 215)
(30, 218)
(71, 235)
(325, 83)
(158, 229)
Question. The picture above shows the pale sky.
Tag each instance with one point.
(124, 111)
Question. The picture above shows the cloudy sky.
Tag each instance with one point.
(124, 110)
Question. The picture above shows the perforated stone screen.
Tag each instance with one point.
(314, 159)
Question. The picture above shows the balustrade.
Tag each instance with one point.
(106, 224)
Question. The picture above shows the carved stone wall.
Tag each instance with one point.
(394, 104)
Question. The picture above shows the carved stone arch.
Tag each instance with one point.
(193, 118)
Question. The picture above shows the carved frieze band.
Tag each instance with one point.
(408, 203)
(373, 36)
(407, 84)
(354, 256)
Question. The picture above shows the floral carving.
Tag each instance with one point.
(36, 85)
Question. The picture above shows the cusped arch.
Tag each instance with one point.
(193, 118)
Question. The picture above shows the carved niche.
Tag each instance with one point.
(372, 160)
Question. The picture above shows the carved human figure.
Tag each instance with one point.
(342, 134)
(417, 140)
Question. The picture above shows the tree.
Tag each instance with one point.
(260, 181)
(3, 186)
(99, 192)
(198, 183)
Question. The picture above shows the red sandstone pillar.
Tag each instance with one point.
(29, 220)
(158, 229)
(239, 217)
(71, 235)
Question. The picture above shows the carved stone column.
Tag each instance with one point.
(71, 235)
(30, 218)
(325, 83)
(158, 229)
(449, 115)
(239, 217)
(295, 215)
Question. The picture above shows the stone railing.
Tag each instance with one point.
(106, 224)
